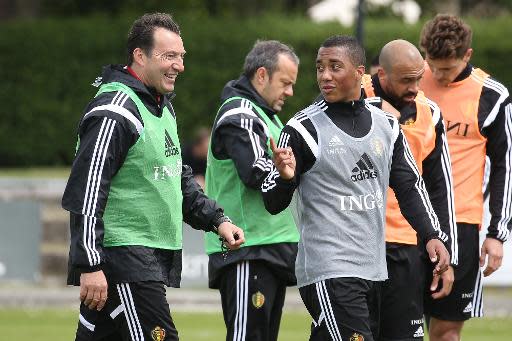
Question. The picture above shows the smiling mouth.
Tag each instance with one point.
(171, 76)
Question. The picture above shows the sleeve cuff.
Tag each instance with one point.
(494, 236)
(217, 220)
(287, 183)
(88, 269)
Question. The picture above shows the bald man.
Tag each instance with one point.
(396, 82)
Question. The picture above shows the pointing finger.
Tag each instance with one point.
(273, 146)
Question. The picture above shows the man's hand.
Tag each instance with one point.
(232, 234)
(447, 278)
(437, 253)
(284, 160)
(93, 289)
(493, 249)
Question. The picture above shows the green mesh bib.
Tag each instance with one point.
(244, 205)
(144, 205)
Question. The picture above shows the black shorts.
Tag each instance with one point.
(252, 299)
(344, 308)
(402, 294)
(133, 311)
(465, 300)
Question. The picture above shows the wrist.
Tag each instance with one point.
(493, 236)
(218, 221)
(431, 237)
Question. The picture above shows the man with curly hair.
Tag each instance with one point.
(477, 112)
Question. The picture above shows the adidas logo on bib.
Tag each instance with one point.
(336, 146)
(419, 332)
(170, 148)
(335, 142)
(364, 169)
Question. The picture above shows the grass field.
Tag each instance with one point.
(59, 325)
(37, 172)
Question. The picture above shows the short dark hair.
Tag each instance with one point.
(265, 53)
(445, 36)
(354, 50)
(141, 32)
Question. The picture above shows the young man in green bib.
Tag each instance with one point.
(252, 281)
(129, 192)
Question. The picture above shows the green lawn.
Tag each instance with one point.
(36, 172)
(59, 324)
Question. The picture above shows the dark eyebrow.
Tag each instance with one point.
(331, 61)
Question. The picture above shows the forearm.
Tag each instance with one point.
(411, 194)
(199, 211)
(277, 193)
(437, 175)
(499, 149)
(86, 248)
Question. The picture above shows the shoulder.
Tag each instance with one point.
(301, 122)
(236, 108)
(240, 113)
(492, 90)
(117, 106)
(392, 120)
(376, 101)
(493, 86)
(493, 96)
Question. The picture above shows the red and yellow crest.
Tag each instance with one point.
(258, 300)
(158, 334)
(357, 337)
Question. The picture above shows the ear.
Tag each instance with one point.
(360, 70)
(467, 55)
(381, 74)
(261, 75)
(139, 57)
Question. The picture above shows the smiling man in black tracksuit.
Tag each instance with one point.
(128, 193)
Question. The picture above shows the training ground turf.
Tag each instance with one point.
(60, 324)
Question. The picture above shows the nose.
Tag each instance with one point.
(325, 75)
(179, 66)
(288, 91)
(414, 87)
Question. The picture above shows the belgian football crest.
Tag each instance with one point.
(357, 337)
(377, 146)
(158, 334)
(258, 299)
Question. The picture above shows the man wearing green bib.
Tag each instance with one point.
(129, 192)
(252, 281)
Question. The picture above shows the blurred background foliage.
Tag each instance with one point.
(53, 51)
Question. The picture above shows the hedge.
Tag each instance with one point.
(47, 67)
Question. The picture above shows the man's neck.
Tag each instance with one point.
(464, 73)
(133, 72)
